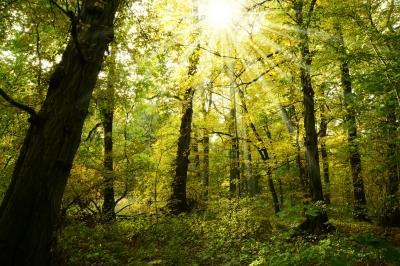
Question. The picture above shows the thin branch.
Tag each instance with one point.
(123, 208)
(260, 76)
(259, 4)
(65, 12)
(90, 135)
(216, 53)
(123, 194)
(18, 105)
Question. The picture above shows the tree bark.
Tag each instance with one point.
(28, 213)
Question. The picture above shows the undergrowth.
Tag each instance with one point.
(228, 233)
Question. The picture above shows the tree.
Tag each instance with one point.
(107, 113)
(303, 18)
(178, 200)
(360, 202)
(263, 152)
(28, 213)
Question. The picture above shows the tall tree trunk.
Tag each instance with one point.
(263, 152)
(178, 201)
(107, 113)
(313, 224)
(206, 162)
(108, 211)
(360, 202)
(28, 213)
(324, 155)
(234, 176)
(311, 140)
(206, 143)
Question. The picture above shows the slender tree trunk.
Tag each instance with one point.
(302, 171)
(251, 178)
(294, 131)
(281, 191)
(206, 142)
(196, 154)
(178, 201)
(28, 213)
(206, 162)
(107, 113)
(391, 215)
(360, 202)
(234, 151)
(324, 155)
(263, 152)
(108, 190)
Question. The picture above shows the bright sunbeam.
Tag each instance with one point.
(220, 14)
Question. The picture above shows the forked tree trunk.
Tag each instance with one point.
(178, 201)
(360, 201)
(28, 213)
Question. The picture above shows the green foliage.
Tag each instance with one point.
(335, 249)
(230, 233)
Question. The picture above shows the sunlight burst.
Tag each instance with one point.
(220, 14)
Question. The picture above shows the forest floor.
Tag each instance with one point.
(241, 232)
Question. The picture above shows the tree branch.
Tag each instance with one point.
(123, 194)
(18, 105)
(90, 135)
